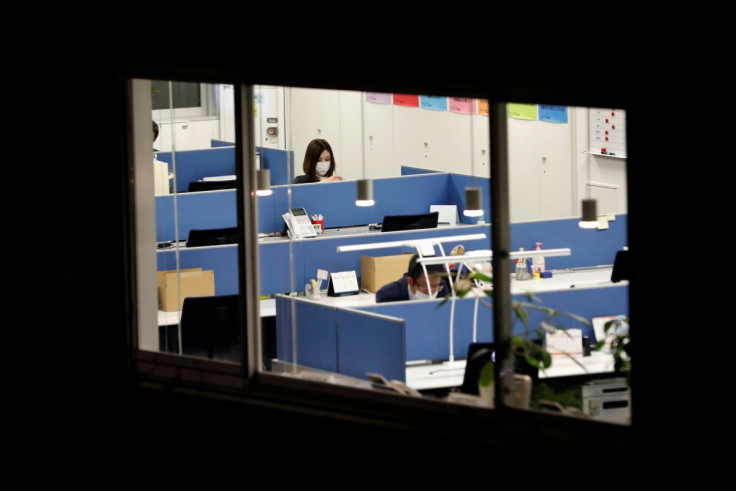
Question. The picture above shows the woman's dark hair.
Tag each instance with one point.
(155, 131)
(311, 156)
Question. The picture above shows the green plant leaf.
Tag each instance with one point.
(486, 376)
(481, 277)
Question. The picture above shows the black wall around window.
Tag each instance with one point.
(74, 384)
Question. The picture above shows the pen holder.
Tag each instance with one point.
(319, 226)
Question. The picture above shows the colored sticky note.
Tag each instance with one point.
(553, 114)
(406, 100)
(378, 97)
(462, 105)
(521, 111)
(436, 103)
(483, 107)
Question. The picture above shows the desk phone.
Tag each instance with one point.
(299, 223)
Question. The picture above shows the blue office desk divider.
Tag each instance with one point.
(220, 259)
(220, 143)
(277, 161)
(344, 341)
(276, 268)
(381, 338)
(207, 209)
(428, 326)
(588, 247)
(316, 334)
(368, 342)
(193, 165)
(407, 170)
(586, 303)
(456, 187)
(336, 200)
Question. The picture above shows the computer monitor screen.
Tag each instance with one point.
(210, 327)
(212, 236)
(393, 223)
(195, 186)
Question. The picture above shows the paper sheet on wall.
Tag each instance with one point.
(521, 111)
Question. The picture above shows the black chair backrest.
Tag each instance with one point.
(210, 327)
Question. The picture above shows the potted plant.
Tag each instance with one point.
(522, 345)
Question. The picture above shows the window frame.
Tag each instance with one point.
(247, 383)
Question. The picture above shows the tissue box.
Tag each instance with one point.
(565, 342)
(378, 271)
(193, 283)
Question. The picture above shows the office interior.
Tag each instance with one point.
(432, 154)
(620, 209)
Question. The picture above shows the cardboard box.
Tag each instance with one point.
(194, 283)
(378, 271)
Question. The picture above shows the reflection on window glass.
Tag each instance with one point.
(188, 263)
(180, 95)
(322, 315)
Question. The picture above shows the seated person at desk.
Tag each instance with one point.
(319, 164)
(413, 285)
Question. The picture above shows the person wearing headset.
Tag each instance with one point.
(413, 285)
(319, 164)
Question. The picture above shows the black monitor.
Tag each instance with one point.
(212, 236)
(393, 223)
(210, 327)
(479, 354)
(195, 186)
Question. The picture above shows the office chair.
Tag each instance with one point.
(210, 328)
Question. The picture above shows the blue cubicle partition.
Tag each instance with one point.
(221, 143)
(343, 341)
(588, 247)
(428, 326)
(193, 165)
(405, 195)
(219, 259)
(316, 334)
(278, 162)
(407, 170)
(368, 343)
(456, 188)
(208, 209)
(339, 340)
(277, 273)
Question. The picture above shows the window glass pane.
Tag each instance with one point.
(178, 95)
(420, 153)
(186, 222)
(562, 284)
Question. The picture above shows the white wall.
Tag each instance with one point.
(550, 168)
(186, 134)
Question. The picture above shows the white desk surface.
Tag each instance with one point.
(360, 300)
(443, 375)
(268, 309)
(567, 279)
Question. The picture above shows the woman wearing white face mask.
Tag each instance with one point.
(319, 164)
(413, 285)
